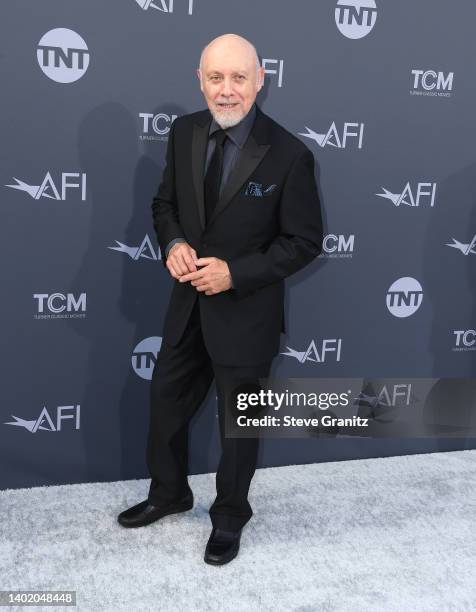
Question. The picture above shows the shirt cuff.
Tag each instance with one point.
(171, 244)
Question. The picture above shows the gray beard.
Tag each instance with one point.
(227, 122)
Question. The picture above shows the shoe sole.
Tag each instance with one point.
(213, 562)
(175, 510)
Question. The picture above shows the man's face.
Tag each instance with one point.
(230, 81)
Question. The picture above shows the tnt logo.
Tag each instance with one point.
(430, 80)
(166, 6)
(465, 340)
(59, 305)
(404, 297)
(423, 193)
(335, 138)
(144, 356)
(337, 246)
(317, 354)
(355, 18)
(48, 189)
(45, 422)
(277, 69)
(63, 55)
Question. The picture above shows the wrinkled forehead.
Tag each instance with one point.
(229, 58)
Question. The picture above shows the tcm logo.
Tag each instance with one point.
(404, 297)
(423, 193)
(156, 127)
(389, 396)
(335, 138)
(144, 356)
(464, 247)
(166, 6)
(431, 83)
(62, 55)
(144, 251)
(465, 340)
(45, 422)
(48, 188)
(60, 306)
(328, 347)
(274, 67)
(337, 246)
(355, 18)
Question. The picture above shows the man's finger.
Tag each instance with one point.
(204, 261)
(172, 269)
(184, 258)
(179, 263)
(189, 263)
(192, 276)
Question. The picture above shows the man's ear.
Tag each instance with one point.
(199, 75)
(261, 74)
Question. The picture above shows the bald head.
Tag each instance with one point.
(229, 43)
(230, 77)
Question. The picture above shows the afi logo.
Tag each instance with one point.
(166, 6)
(424, 192)
(48, 189)
(464, 247)
(333, 138)
(404, 297)
(144, 356)
(277, 69)
(62, 55)
(312, 353)
(390, 396)
(336, 246)
(144, 251)
(57, 303)
(355, 18)
(465, 340)
(157, 124)
(46, 423)
(430, 80)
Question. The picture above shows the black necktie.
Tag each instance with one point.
(213, 176)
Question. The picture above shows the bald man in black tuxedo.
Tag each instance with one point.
(236, 213)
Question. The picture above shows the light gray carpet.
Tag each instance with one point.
(380, 535)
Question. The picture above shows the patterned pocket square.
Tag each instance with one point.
(256, 190)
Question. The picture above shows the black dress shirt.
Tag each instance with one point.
(237, 136)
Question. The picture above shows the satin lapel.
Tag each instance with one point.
(199, 148)
(250, 156)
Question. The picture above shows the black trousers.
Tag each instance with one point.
(180, 381)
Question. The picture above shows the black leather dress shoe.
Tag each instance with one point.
(222, 546)
(145, 513)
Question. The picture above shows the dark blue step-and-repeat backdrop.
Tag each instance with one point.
(382, 92)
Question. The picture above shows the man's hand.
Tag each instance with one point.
(212, 278)
(180, 259)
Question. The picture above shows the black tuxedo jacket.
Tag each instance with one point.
(266, 225)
